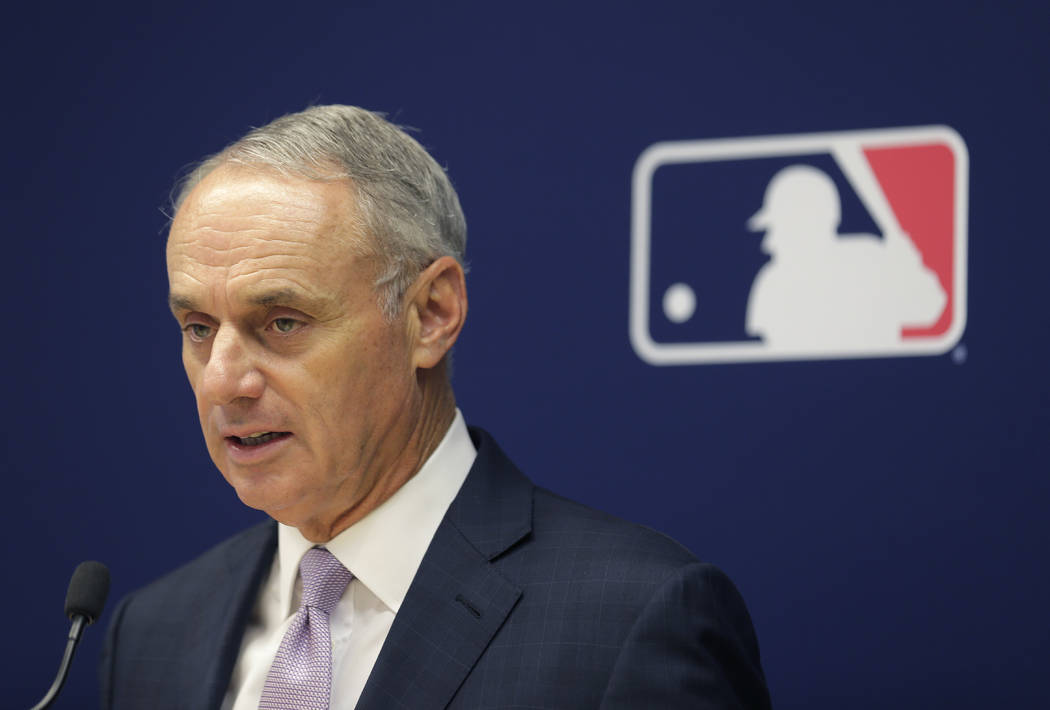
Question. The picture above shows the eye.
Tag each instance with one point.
(286, 325)
(198, 331)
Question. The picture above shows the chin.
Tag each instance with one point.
(276, 501)
(253, 499)
(266, 495)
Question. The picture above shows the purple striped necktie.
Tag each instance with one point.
(301, 675)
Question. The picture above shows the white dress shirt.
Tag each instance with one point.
(382, 550)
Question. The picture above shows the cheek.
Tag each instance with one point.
(191, 367)
(350, 399)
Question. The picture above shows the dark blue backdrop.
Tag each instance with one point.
(886, 519)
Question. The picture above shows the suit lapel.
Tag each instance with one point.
(457, 600)
(221, 624)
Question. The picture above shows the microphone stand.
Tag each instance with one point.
(79, 622)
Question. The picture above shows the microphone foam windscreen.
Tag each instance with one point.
(87, 590)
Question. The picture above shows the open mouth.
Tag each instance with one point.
(258, 439)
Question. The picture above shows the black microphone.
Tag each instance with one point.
(84, 601)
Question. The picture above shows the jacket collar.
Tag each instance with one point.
(247, 561)
(458, 600)
(494, 508)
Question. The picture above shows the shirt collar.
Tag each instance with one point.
(383, 550)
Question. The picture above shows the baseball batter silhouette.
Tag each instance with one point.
(822, 289)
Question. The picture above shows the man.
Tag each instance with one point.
(315, 269)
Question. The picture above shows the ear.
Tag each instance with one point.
(437, 305)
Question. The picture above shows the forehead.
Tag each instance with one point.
(234, 201)
(245, 229)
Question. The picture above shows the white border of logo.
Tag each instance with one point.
(701, 151)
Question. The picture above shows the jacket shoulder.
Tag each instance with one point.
(561, 517)
(572, 541)
(508, 518)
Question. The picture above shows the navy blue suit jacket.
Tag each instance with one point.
(523, 600)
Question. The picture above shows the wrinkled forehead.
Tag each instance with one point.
(240, 227)
(234, 201)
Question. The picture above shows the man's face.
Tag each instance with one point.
(299, 378)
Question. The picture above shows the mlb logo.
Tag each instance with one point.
(799, 247)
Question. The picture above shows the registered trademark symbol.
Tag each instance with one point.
(959, 354)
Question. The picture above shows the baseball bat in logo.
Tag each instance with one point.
(796, 247)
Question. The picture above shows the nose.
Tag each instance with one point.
(231, 372)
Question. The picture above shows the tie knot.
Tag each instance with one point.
(324, 579)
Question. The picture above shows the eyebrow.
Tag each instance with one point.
(282, 296)
(178, 302)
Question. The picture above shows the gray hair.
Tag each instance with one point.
(406, 202)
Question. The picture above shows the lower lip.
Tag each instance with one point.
(242, 454)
